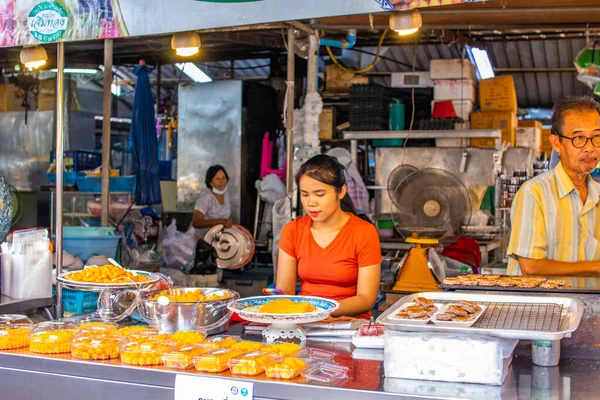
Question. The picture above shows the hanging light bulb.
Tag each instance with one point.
(406, 22)
(33, 57)
(186, 44)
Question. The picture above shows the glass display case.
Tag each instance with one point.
(84, 208)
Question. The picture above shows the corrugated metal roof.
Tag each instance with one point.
(534, 88)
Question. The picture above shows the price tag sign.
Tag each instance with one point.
(189, 387)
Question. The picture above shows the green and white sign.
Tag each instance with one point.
(48, 21)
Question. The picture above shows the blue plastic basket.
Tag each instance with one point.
(78, 302)
(165, 170)
(117, 184)
(84, 242)
(81, 160)
(69, 178)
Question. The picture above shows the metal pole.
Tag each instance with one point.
(60, 66)
(106, 111)
(289, 128)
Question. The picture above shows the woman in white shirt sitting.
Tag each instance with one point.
(213, 208)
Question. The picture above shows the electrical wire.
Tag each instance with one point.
(368, 67)
(412, 118)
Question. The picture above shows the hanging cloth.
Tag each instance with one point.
(267, 160)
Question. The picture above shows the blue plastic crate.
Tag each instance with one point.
(80, 160)
(117, 184)
(84, 242)
(78, 302)
(69, 178)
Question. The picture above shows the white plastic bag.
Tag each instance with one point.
(179, 249)
(270, 188)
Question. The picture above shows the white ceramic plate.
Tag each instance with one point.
(409, 321)
(455, 324)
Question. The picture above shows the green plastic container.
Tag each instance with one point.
(396, 124)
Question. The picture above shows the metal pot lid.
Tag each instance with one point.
(436, 264)
(234, 246)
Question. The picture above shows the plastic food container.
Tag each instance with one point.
(96, 324)
(327, 374)
(221, 342)
(247, 345)
(131, 330)
(52, 337)
(188, 338)
(253, 363)
(96, 344)
(14, 331)
(146, 348)
(289, 368)
(216, 360)
(183, 358)
(283, 349)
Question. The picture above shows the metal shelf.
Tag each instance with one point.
(481, 133)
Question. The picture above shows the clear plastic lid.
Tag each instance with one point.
(188, 338)
(216, 360)
(326, 373)
(52, 337)
(289, 368)
(253, 363)
(221, 342)
(247, 345)
(96, 343)
(183, 358)
(134, 329)
(283, 349)
(92, 324)
(12, 319)
(312, 353)
(371, 330)
(145, 348)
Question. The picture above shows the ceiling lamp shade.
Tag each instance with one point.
(186, 44)
(406, 22)
(33, 57)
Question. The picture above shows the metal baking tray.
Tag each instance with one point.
(507, 316)
(574, 285)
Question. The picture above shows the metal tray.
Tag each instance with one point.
(507, 316)
(587, 285)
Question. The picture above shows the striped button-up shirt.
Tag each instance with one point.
(549, 221)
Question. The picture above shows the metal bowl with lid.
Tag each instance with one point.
(209, 316)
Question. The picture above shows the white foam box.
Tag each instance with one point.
(411, 79)
(457, 68)
(454, 89)
(528, 137)
(446, 357)
(463, 109)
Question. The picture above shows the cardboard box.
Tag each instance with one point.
(47, 94)
(498, 94)
(326, 124)
(529, 137)
(463, 109)
(529, 134)
(546, 146)
(337, 80)
(410, 80)
(454, 89)
(505, 121)
(458, 68)
(11, 98)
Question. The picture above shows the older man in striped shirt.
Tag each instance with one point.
(556, 216)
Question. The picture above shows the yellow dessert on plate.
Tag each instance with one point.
(286, 306)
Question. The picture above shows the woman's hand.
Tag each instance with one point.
(227, 223)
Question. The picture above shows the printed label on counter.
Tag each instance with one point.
(189, 387)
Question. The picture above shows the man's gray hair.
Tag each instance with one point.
(569, 104)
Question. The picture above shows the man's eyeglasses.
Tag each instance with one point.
(580, 142)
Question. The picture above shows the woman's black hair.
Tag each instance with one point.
(212, 171)
(328, 170)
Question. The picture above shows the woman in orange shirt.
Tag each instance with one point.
(336, 254)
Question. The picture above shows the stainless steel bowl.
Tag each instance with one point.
(210, 317)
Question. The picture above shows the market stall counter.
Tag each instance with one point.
(24, 375)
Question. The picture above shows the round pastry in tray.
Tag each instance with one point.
(461, 314)
(418, 312)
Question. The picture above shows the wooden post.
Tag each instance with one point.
(106, 113)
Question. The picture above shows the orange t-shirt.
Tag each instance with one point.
(331, 272)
